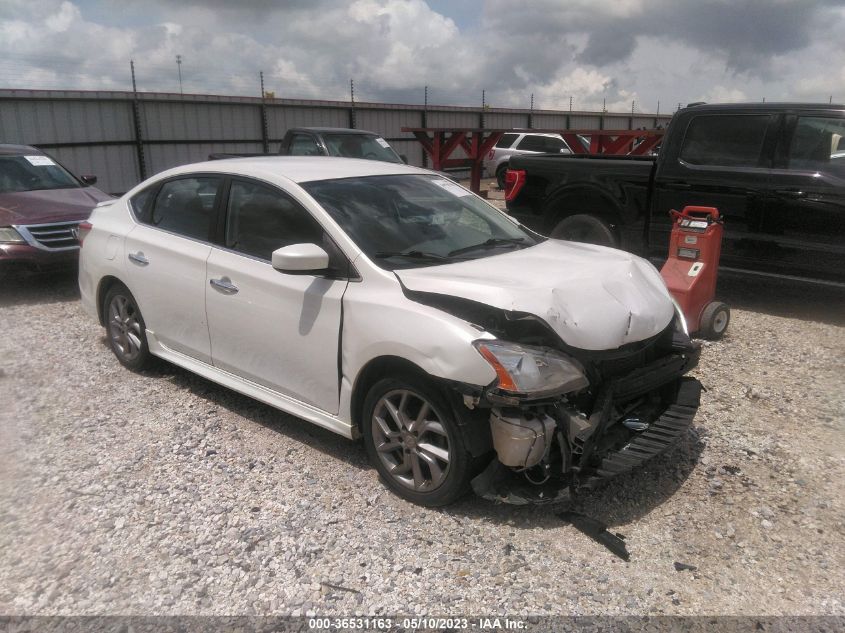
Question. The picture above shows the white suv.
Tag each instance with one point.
(516, 143)
(385, 301)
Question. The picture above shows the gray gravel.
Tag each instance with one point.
(162, 493)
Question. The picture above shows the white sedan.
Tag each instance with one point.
(385, 301)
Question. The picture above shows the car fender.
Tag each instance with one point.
(379, 321)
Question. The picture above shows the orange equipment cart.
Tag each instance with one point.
(692, 268)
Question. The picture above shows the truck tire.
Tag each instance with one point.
(500, 175)
(714, 321)
(583, 227)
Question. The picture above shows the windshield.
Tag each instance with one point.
(32, 173)
(360, 146)
(413, 220)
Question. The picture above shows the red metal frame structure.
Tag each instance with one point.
(439, 143)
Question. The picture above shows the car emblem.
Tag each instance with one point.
(75, 232)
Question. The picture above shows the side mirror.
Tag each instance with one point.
(89, 180)
(300, 259)
(404, 158)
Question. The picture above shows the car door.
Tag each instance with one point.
(166, 255)
(275, 329)
(723, 161)
(805, 216)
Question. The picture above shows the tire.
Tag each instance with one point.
(125, 328)
(714, 321)
(589, 229)
(420, 456)
(500, 176)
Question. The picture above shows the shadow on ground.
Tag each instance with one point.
(784, 298)
(31, 288)
(621, 501)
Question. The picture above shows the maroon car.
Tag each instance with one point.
(41, 204)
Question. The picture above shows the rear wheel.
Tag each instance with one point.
(500, 176)
(413, 441)
(125, 328)
(586, 228)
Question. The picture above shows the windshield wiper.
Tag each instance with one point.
(409, 254)
(491, 243)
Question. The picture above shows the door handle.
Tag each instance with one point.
(138, 258)
(224, 284)
(793, 194)
(678, 184)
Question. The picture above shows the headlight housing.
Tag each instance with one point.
(532, 371)
(10, 235)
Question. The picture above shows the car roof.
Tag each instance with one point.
(333, 130)
(765, 105)
(7, 149)
(298, 168)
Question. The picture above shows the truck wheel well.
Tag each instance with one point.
(372, 372)
(105, 284)
(582, 202)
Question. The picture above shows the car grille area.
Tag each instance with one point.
(53, 237)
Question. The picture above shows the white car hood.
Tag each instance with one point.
(595, 298)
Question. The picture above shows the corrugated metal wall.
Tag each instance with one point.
(95, 132)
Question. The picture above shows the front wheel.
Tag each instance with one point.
(413, 441)
(586, 228)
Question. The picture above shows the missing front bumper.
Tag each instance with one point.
(500, 483)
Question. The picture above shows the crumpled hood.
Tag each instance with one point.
(49, 205)
(595, 298)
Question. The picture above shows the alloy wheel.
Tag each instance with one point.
(410, 440)
(124, 327)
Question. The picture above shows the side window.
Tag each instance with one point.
(506, 140)
(819, 145)
(140, 201)
(533, 143)
(185, 206)
(554, 144)
(261, 219)
(725, 140)
(304, 145)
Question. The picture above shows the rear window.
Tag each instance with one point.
(725, 140)
(360, 146)
(506, 140)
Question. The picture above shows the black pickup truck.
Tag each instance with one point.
(330, 141)
(776, 172)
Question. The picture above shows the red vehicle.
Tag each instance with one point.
(41, 205)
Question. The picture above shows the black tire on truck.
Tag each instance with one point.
(583, 227)
(500, 175)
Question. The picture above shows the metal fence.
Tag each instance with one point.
(124, 137)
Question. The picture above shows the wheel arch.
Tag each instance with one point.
(582, 199)
(106, 284)
(372, 372)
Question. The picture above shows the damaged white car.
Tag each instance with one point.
(385, 301)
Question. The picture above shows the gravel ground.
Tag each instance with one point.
(162, 493)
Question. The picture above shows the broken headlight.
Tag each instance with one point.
(533, 371)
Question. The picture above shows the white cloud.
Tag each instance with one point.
(641, 50)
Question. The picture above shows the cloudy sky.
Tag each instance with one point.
(620, 51)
